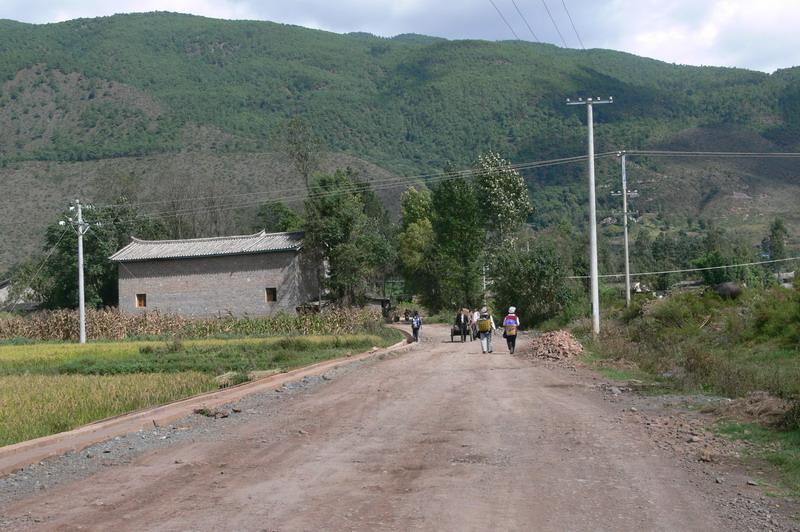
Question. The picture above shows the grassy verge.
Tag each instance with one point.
(699, 343)
(779, 448)
(52, 387)
(702, 343)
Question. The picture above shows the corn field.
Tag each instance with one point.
(110, 324)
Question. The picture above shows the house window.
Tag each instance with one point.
(270, 295)
(141, 300)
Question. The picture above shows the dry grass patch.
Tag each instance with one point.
(37, 405)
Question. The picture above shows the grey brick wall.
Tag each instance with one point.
(214, 286)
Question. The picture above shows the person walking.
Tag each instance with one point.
(416, 323)
(473, 324)
(510, 326)
(486, 329)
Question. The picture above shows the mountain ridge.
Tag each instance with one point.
(165, 85)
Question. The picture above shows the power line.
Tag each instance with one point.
(293, 193)
(714, 154)
(354, 188)
(408, 179)
(549, 14)
(525, 20)
(504, 19)
(107, 242)
(563, 3)
(687, 270)
(39, 269)
(296, 194)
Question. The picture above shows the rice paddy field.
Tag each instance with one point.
(47, 388)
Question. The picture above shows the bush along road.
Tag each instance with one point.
(438, 438)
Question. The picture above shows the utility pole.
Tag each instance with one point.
(622, 156)
(595, 284)
(81, 228)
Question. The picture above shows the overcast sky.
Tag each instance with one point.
(761, 35)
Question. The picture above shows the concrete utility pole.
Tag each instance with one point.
(624, 193)
(589, 102)
(81, 228)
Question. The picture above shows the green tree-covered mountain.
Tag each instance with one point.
(138, 103)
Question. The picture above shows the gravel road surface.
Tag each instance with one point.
(439, 438)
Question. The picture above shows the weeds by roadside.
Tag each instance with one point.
(779, 448)
(697, 342)
(704, 343)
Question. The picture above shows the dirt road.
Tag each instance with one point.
(440, 438)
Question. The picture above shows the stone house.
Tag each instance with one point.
(256, 274)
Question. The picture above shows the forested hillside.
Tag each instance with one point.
(133, 103)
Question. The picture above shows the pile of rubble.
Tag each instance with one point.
(555, 345)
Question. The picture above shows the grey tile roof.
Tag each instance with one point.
(262, 242)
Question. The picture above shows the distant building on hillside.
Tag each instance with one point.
(24, 302)
(256, 274)
(5, 289)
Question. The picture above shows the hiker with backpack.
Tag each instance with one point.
(485, 330)
(510, 326)
(416, 323)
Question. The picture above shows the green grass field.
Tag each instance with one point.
(47, 388)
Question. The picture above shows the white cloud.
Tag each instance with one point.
(760, 35)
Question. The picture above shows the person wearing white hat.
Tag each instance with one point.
(510, 326)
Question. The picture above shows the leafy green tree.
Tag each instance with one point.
(416, 240)
(460, 238)
(277, 217)
(112, 227)
(777, 239)
(532, 280)
(503, 196)
(350, 242)
(415, 205)
(299, 142)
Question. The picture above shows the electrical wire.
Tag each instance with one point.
(409, 179)
(688, 270)
(293, 193)
(107, 242)
(39, 269)
(504, 19)
(549, 14)
(715, 154)
(297, 196)
(525, 20)
(563, 3)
